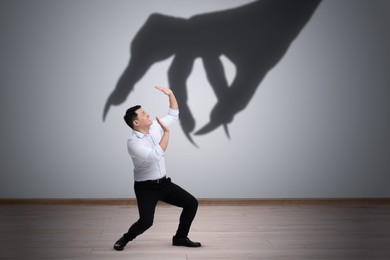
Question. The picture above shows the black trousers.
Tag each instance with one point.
(148, 194)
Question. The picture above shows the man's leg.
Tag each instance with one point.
(147, 201)
(175, 195)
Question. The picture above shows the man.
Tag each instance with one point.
(147, 145)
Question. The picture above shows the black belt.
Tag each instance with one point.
(155, 181)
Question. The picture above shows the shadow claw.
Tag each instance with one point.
(225, 126)
(211, 126)
(190, 139)
(106, 108)
(207, 128)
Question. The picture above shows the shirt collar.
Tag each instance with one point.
(139, 134)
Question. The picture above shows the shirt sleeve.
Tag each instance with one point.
(172, 117)
(143, 153)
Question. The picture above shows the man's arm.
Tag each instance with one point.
(165, 137)
(172, 99)
(172, 105)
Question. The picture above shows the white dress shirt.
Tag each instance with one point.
(145, 151)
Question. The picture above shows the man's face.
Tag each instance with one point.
(143, 119)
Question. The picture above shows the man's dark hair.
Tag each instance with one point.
(131, 115)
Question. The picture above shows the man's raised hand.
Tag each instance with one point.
(166, 91)
(172, 99)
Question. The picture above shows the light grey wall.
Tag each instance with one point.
(318, 125)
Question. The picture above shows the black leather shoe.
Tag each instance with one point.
(184, 242)
(121, 243)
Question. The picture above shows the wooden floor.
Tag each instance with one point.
(226, 232)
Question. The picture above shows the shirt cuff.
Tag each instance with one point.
(173, 112)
